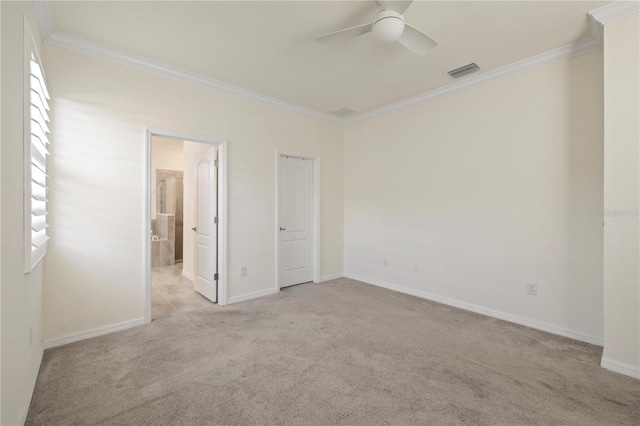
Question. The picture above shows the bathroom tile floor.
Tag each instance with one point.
(171, 292)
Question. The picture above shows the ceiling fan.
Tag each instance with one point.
(388, 26)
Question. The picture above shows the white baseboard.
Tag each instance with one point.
(100, 331)
(330, 277)
(254, 295)
(549, 328)
(187, 275)
(32, 387)
(620, 367)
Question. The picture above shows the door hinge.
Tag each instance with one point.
(215, 219)
(215, 163)
(215, 276)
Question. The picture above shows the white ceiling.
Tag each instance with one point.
(269, 46)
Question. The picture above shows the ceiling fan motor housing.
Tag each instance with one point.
(388, 26)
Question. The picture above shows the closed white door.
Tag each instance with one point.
(295, 220)
(206, 229)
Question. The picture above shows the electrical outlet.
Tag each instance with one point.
(384, 262)
(532, 289)
(243, 271)
(30, 335)
(416, 268)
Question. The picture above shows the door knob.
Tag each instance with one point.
(283, 229)
(193, 229)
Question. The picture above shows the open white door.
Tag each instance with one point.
(295, 219)
(206, 229)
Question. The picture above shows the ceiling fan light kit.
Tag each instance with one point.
(388, 26)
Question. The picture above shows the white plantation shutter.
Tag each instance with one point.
(36, 152)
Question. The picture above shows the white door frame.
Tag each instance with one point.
(222, 211)
(315, 159)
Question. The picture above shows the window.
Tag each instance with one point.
(36, 116)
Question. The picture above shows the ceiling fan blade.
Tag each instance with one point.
(397, 5)
(416, 41)
(344, 34)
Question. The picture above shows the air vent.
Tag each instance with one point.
(343, 112)
(463, 71)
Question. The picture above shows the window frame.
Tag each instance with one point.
(32, 256)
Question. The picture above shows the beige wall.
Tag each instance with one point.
(21, 294)
(95, 264)
(486, 190)
(621, 197)
(166, 154)
(0, 211)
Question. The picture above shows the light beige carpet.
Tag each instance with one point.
(341, 352)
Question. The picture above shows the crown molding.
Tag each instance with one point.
(45, 17)
(614, 11)
(597, 29)
(580, 48)
(67, 41)
(596, 19)
(611, 12)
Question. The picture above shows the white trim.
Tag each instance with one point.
(29, 264)
(100, 331)
(223, 214)
(580, 48)
(33, 379)
(31, 256)
(187, 275)
(316, 219)
(184, 136)
(620, 367)
(594, 42)
(316, 212)
(45, 17)
(67, 41)
(549, 328)
(611, 12)
(222, 211)
(251, 296)
(597, 29)
(146, 245)
(614, 11)
(330, 277)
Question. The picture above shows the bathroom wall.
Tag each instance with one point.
(163, 250)
(165, 154)
(170, 200)
(179, 212)
(166, 165)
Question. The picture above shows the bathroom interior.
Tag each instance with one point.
(171, 270)
(167, 227)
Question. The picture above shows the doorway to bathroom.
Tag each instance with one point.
(185, 242)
